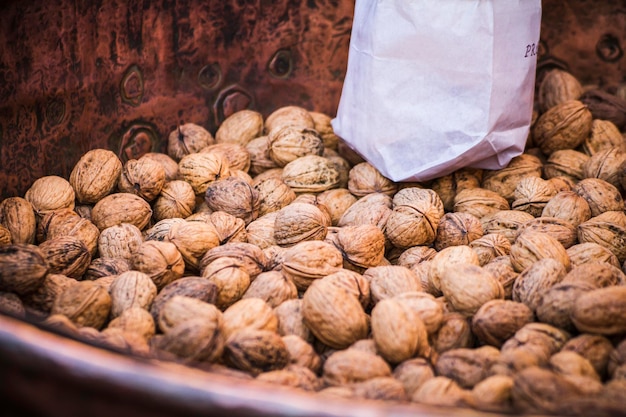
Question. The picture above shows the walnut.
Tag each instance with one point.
(493, 394)
(588, 252)
(468, 287)
(170, 166)
(595, 348)
(457, 229)
(415, 255)
(161, 261)
(333, 315)
(161, 229)
(479, 202)
(490, 246)
(260, 232)
(350, 366)
(412, 373)
(18, 216)
(131, 289)
(292, 376)
(301, 353)
(119, 241)
(177, 199)
(308, 261)
(556, 87)
(193, 240)
(95, 175)
(448, 186)
(390, 280)
(566, 163)
(299, 222)
(467, 367)
(143, 177)
(5, 236)
(537, 390)
(600, 195)
(607, 165)
(53, 226)
(234, 196)
(118, 208)
(365, 179)
(540, 340)
(49, 193)
(85, 303)
(505, 222)
(236, 155)
(290, 320)
(230, 277)
(604, 135)
(310, 174)
(498, 320)
(504, 181)
(188, 138)
(455, 332)
(601, 311)
(135, 320)
(529, 247)
(568, 363)
(290, 142)
(273, 287)
(372, 209)
(66, 255)
(274, 194)
(23, 268)
(361, 246)
(450, 257)
(322, 123)
(289, 116)
(502, 269)
(240, 127)
(568, 206)
(596, 274)
(230, 229)
(442, 391)
(12, 305)
(252, 313)
(194, 287)
(43, 297)
(179, 309)
(532, 194)
(607, 229)
(260, 161)
(563, 126)
(533, 282)
(398, 331)
(256, 351)
(427, 307)
(200, 170)
(193, 341)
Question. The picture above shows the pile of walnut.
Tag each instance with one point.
(270, 251)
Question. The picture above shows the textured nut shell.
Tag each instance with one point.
(307, 261)
(193, 240)
(310, 174)
(187, 139)
(43, 297)
(587, 252)
(85, 303)
(75, 226)
(237, 155)
(290, 321)
(273, 287)
(240, 127)
(66, 255)
(349, 366)
(455, 332)
(260, 232)
(604, 135)
(177, 199)
(201, 169)
(143, 177)
(568, 206)
(556, 87)
(302, 353)
(595, 348)
(5, 236)
(493, 394)
(530, 246)
(415, 255)
(442, 391)
(505, 222)
(260, 161)
(298, 222)
(274, 194)
(533, 282)
(391, 280)
(502, 269)
(119, 241)
(555, 305)
(179, 309)
(426, 306)
(467, 367)
(251, 313)
(288, 143)
(467, 287)
(363, 245)
(95, 175)
(255, 351)
(50, 193)
(479, 202)
(12, 305)
(457, 229)
(490, 246)
(503, 181)
(541, 340)
(537, 390)
(230, 278)
(607, 229)
(289, 116)
(23, 268)
(234, 196)
(161, 229)
(607, 165)
(449, 257)
(295, 376)
(131, 289)
(118, 208)
(413, 373)
(161, 261)
(380, 388)
(194, 341)
(498, 320)
(601, 311)
(532, 194)
(253, 259)
(337, 201)
(415, 217)
(135, 320)
(105, 267)
(365, 179)
(563, 126)
(333, 315)
(170, 166)
(230, 229)
(600, 195)
(565, 163)
(18, 216)
(194, 287)
(372, 209)
(398, 331)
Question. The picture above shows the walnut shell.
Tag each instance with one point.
(260, 161)
(373, 209)
(180, 308)
(193, 240)
(260, 232)
(556, 87)
(567, 163)
(135, 320)
(536, 279)
(187, 139)
(191, 286)
(308, 261)
(388, 281)
(601, 311)
(555, 305)
(105, 267)
(252, 258)
(177, 199)
(193, 341)
(493, 394)
(490, 246)
(467, 367)
(479, 202)
(230, 277)
(118, 208)
(398, 331)
(237, 155)
(161, 261)
(230, 229)
(362, 246)
(201, 169)
(541, 340)
(532, 194)
(240, 127)
(365, 179)
(412, 373)
(337, 201)
(95, 175)
(415, 255)
(349, 366)
(49, 193)
(274, 194)
(289, 116)
(333, 315)
(563, 126)
(607, 229)
(568, 206)
(18, 216)
(455, 332)
(5, 236)
(302, 353)
(449, 257)
(597, 274)
(442, 391)
(530, 246)
(537, 390)
(562, 230)
(233, 196)
(503, 181)
(467, 287)
(290, 320)
(273, 287)
(256, 351)
(290, 142)
(448, 186)
(589, 252)
(310, 174)
(66, 224)
(23, 268)
(415, 217)
(295, 376)
(457, 229)
(85, 303)
(322, 123)
(143, 177)
(498, 320)
(502, 269)
(299, 222)
(119, 241)
(66, 255)
(249, 313)
(604, 135)
(607, 165)
(43, 297)
(600, 195)
(170, 166)
(505, 222)
(161, 229)
(131, 289)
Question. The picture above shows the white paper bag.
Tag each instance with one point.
(433, 86)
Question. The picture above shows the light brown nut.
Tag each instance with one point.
(505, 222)
(468, 287)
(479, 202)
(252, 313)
(349, 366)
(131, 289)
(18, 216)
(230, 278)
(541, 340)
(448, 258)
(493, 394)
(563, 126)
(118, 208)
(365, 179)
(532, 194)
(426, 306)
(49, 193)
(566, 163)
(533, 282)
(143, 177)
(274, 287)
(503, 181)
(193, 240)
(564, 231)
(568, 363)
(85, 303)
(120, 241)
(601, 311)
(333, 315)
(595, 348)
(294, 376)
(202, 169)
(530, 246)
(180, 308)
(537, 390)
(596, 274)
(455, 332)
(607, 229)
(95, 175)
(23, 268)
(42, 299)
(412, 373)
(290, 115)
(337, 201)
(274, 194)
(555, 305)
(497, 320)
(502, 269)
(457, 229)
(260, 232)
(600, 195)
(556, 87)
(161, 261)
(591, 252)
(490, 246)
(391, 280)
(372, 209)
(234, 196)
(187, 139)
(467, 367)
(442, 391)
(193, 341)
(290, 142)
(311, 174)
(604, 135)
(380, 388)
(177, 199)
(195, 287)
(299, 222)
(255, 351)
(310, 260)
(236, 155)
(290, 320)
(135, 320)
(66, 255)
(302, 353)
(170, 166)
